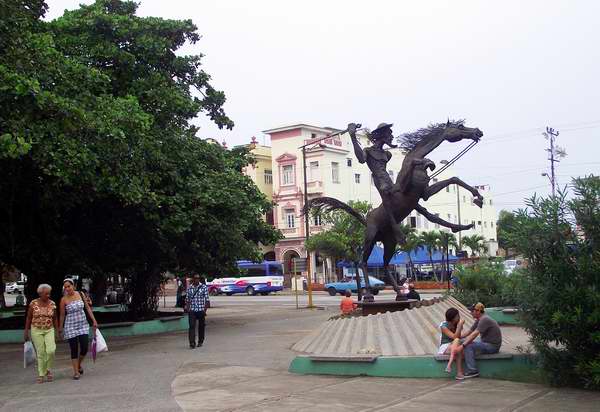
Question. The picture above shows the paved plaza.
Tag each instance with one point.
(243, 367)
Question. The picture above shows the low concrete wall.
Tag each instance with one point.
(503, 318)
(520, 368)
(148, 327)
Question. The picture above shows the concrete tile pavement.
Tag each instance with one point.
(218, 388)
(243, 367)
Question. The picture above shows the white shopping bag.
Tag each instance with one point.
(100, 342)
(28, 354)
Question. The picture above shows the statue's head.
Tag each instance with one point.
(457, 131)
(383, 133)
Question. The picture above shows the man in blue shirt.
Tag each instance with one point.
(197, 302)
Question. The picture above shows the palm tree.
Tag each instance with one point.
(412, 243)
(429, 239)
(446, 240)
(475, 243)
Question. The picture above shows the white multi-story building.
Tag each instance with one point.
(332, 170)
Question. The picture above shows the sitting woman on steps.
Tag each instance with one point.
(450, 344)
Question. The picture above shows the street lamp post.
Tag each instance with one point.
(307, 230)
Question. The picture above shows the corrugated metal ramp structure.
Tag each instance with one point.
(411, 332)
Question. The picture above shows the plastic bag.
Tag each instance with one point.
(28, 354)
(100, 342)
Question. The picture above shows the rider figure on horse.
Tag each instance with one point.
(376, 158)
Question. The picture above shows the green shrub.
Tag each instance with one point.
(560, 292)
(486, 282)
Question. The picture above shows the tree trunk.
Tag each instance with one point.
(433, 267)
(2, 290)
(357, 277)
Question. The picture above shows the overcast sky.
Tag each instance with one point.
(510, 68)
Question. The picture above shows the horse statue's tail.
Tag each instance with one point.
(329, 204)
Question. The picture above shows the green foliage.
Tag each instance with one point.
(505, 226)
(102, 170)
(487, 283)
(475, 243)
(344, 238)
(560, 297)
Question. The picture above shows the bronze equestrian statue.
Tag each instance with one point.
(399, 199)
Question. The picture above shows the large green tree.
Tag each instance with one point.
(102, 170)
(344, 237)
(505, 226)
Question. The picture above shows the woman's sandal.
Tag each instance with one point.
(76, 377)
(40, 379)
(49, 376)
(80, 370)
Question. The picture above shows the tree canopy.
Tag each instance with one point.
(102, 169)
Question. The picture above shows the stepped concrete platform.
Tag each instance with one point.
(398, 344)
(411, 332)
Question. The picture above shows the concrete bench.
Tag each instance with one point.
(116, 325)
(170, 318)
(344, 358)
(501, 355)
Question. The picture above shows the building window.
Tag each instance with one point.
(313, 171)
(479, 223)
(288, 175)
(435, 180)
(448, 189)
(356, 178)
(269, 218)
(413, 222)
(313, 135)
(484, 223)
(491, 224)
(449, 218)
(290, 218)
(490, 202)
(268, 177)
(335, 172)
(349, 162)
(317, 220)
(473, 222)
(391, 173)
(437, 226)
(372, 180)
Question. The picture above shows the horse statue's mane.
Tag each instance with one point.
(410, 141)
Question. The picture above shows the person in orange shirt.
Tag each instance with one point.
(347, 305)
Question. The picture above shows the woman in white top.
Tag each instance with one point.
(450, 344)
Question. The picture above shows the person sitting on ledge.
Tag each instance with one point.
(347, 305)
(484, 337)
(412, 292)
(450, 344)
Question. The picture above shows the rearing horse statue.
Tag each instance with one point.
(401, 198)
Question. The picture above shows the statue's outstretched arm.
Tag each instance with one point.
(358, 151)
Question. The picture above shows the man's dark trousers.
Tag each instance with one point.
(196, 318)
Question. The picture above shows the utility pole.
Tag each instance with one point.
(551, 134)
